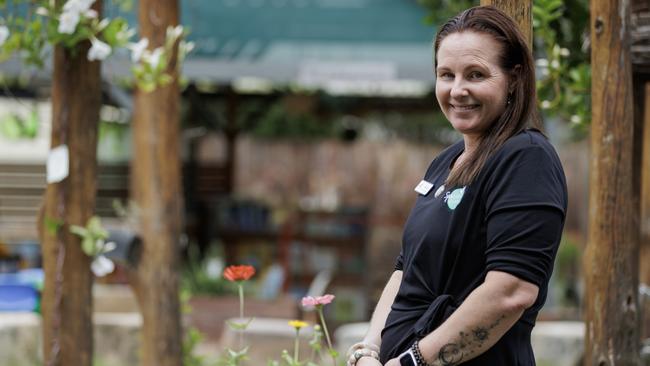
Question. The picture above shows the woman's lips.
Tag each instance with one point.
(467, 107)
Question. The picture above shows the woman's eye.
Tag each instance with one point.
(446, 75)
(475, 75)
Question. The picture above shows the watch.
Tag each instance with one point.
(408, 359)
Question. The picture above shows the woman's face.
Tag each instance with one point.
(471, 87)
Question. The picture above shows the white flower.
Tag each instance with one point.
(4, 34)
(137, 49)
(102, 266)
(77, 6)
(91, 13)
(103, 24)
(546, 104)
(174, 32)
(565, 52)
(125, 33)
(555, 64)
(68, 22)
(186, 47)
(153, 58)
(99, 50)
(110, 246)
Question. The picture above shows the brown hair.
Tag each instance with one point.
(520, 112)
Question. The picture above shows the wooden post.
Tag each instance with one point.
(611, 257)
(67, 298)
(521, 11)
(156, 187)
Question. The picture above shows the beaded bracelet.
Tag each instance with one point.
(362, 349)
(418, 354)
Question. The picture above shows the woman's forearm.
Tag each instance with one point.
(481, 320)
(382, 309)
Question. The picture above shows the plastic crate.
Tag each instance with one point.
(18, 298)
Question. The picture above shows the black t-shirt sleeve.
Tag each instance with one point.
(399, 262)
(525, 209)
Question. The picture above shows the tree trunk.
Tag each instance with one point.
(521, 11)
(156, 187)
(611, 257)
(67, 296)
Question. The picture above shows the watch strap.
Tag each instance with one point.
(408, 358)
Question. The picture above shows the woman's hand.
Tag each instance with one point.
(361, 350)
(368, 361)
(392, 362)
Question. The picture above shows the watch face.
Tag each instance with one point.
(407, 359)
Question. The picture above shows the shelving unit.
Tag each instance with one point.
(310, 242)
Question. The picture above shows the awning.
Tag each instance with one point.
(366, 47)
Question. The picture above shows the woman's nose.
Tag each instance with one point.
(458, 89)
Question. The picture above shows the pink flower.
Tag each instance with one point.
(318, 300)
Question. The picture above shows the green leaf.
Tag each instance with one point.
(287, 357)
(10, 127)
(31, 125)
(78, 230)
(239, 326)
(165, 79)
(88, 246)
(96, 229)
(111, 33)
(52, 225)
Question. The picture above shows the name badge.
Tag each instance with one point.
(423, 187)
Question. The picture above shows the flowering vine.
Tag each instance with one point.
(35, 23)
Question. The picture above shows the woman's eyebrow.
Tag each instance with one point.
(462, 67)
(442, 68)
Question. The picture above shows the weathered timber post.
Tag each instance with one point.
(156, 187)
(67, 297)
(519, 10)
(611, 259)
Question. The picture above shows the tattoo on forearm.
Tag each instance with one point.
(452, 354)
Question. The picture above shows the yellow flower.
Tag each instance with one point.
(298, 324)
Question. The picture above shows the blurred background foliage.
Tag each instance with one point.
(14, 126)
(203, 276)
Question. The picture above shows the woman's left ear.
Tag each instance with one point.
(514, 78)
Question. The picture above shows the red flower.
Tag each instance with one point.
(238, 273)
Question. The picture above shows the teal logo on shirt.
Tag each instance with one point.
(454, 197)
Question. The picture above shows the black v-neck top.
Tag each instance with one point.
(509, 219)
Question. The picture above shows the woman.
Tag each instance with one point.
(479, 244)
